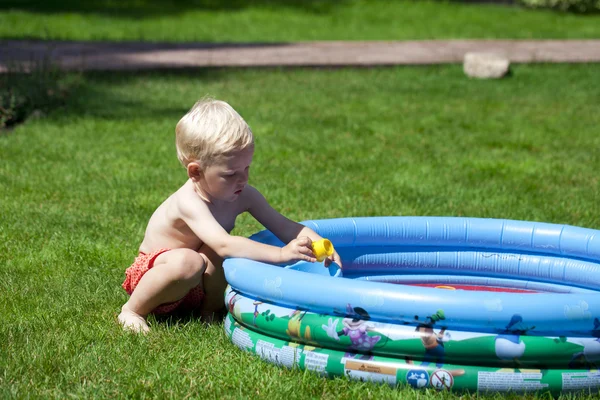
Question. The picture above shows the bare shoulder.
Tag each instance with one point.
(186, 200)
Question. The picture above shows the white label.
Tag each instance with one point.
(241, 339)
(315, 361)
(580, 380)
(285, 356)
(504, 381)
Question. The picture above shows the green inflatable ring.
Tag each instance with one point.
(299, 339)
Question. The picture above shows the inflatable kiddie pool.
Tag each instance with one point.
(449, 303)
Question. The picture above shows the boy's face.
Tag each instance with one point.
(226, 179)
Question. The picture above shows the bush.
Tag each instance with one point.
(23, 92)
(581, 6)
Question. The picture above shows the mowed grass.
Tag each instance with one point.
(283, 21)
(78, 186)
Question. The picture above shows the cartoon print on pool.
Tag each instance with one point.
(231, 304)
(590, 356)
(508, 343)
(356, 327)
(297, 330)
(256, 312)
(434, 342)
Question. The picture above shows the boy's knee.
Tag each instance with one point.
(188, 266)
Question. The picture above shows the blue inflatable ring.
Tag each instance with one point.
(528, 253)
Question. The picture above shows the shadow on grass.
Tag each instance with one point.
(95, 98)
(63, 96)
(149, 8)
(47, 91)
(32, 90)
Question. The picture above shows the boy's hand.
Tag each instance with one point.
(335, 257)
(298, 249)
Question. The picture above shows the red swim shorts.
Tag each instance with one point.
(142, 264)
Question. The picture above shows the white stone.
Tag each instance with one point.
(485, 65)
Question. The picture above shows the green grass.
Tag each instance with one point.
(78, 186)
(282, 21)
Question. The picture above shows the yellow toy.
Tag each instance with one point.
(322, 249)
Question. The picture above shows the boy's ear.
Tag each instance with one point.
(194, 171)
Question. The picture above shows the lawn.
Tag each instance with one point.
(77, 187)
(283, 21)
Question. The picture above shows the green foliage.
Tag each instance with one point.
(580, 6)
(26, 91)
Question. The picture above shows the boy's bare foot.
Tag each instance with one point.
(132, 321)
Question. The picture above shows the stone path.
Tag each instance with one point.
(139, 56)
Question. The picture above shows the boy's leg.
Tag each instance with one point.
(214, 286)
(173, 275)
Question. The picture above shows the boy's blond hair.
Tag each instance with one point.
(210, 129)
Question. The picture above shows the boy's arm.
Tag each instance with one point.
(198, 217)
(285, 229)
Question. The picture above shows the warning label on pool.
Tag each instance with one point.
(581, 380)
(241, 339)
(502, 381)
(285, 356)
(315, 361)
(366, 371)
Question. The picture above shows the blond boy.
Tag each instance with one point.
(179, 266)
